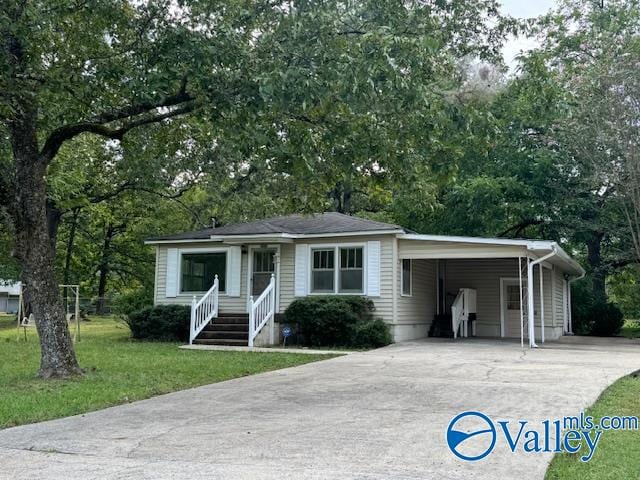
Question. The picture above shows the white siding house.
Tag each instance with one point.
(471, 285)
(9, 296)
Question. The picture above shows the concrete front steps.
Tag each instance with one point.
(230, 329)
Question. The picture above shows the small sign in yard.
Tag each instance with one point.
(286, 333)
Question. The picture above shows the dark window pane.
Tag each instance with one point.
(330, 254)
(351, 281)
(200, 269)
(406, 277)
(322, 281)
(351, 273)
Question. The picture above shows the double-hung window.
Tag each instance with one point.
(344, 276)
(351, 271)
(323, 271)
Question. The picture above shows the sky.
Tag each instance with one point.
(522, 9)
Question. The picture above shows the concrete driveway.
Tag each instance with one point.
(381, 414)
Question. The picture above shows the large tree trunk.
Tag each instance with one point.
(33, 248)
(104, 268)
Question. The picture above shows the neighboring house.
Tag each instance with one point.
(9, 296)
(420, 284)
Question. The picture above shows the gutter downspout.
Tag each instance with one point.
(570, 315)
(530, 287)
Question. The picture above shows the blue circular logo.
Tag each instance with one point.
(286, 331)
(471, 436)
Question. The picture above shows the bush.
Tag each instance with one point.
(594, 317)
(606, 319)
(165, 322)
(333, 320)
(371, 334)
(132, 301)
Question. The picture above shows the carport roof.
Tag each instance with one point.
(537, 247)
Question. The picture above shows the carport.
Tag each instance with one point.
(491, 287)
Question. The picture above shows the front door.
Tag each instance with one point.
(511, 309)
(263, 266)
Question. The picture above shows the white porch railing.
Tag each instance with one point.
(204, 310)
(462, 307)
(262, 310)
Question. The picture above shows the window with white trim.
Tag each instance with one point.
(199, 270)
(337, 269)
(405, 278)
(351, 278)
(323, 270)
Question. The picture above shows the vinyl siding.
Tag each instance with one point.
(438, 250)
(383, 303)
(420, 306)
(559, 298)
(227, 304)
(484, 276)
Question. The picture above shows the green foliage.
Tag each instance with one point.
(624, 291)
(163, 322)
(373, 333)
(591, 316)
(336, 320)
(606, 319)
(132, 300)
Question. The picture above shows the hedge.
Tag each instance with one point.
(164, 322)
(337, 320)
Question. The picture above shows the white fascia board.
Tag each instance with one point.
(546, 246)
(294, 236)
(239, 240)
(275, 237)
(189, 240)
(458, 239)
(531, 245)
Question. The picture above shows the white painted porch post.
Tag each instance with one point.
(569, 316)
(272, 330)
(250, 343)
(193, 319)
(530, 304)
(541, 303)
(521, 303)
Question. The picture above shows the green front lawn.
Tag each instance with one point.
(618, 453)
(118, 370)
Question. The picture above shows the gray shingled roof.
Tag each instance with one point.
(317, 223)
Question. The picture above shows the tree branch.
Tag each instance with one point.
(98, 124)
(518, 228)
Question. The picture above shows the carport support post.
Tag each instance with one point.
(541, 304)
(530, 287)
(530, 309)
(521, 302)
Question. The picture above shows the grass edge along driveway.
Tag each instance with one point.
(618, 453)
(118, 370)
